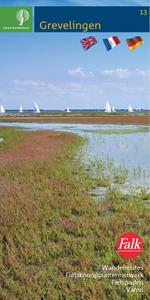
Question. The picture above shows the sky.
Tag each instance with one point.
(75, 2)
(53, 70)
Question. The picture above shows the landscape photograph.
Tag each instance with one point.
(74, 164)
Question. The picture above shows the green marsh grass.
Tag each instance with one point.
(10, 136)
(119, 131)
(51, 225)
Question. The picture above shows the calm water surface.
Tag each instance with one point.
(132, 150)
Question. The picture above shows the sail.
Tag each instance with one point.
(2, 109)
(107, 107)
(113, 109)
(21, 109)
(67, 110)
(130, 108)
(37, 108)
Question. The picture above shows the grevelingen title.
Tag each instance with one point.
(69, 26)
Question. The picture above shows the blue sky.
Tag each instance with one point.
(75, 2)
(52, 69)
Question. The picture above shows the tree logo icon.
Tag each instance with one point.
(22, 16)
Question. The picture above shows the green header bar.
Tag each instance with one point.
(16, 19)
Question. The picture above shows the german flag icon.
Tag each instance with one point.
(133, 43)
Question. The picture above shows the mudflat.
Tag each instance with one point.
(94, 119)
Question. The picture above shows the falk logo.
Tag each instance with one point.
(129, 245)
(22, 16)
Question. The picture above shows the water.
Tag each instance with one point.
(131, 150)
(46, 111)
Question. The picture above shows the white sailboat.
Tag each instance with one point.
(21, 109)
(113, 109)
(130, 108)
(107, 107)
(37, 108)
(2, 109)
(67, 110)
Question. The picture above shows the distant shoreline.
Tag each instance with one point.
(94, 118)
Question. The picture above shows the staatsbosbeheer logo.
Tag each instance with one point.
(129, 245)
(16, 18)
(22, 16)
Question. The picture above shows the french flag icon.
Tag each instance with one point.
(111, 42)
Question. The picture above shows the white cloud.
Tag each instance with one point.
(48, 88)
(142, 72)
(121, 73)
(125, 73)
(31, 83)
(37, 85)
(73, 87)
(80, 72)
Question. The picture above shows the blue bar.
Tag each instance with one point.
(108, 19)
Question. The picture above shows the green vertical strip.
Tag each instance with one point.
(16, 19)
